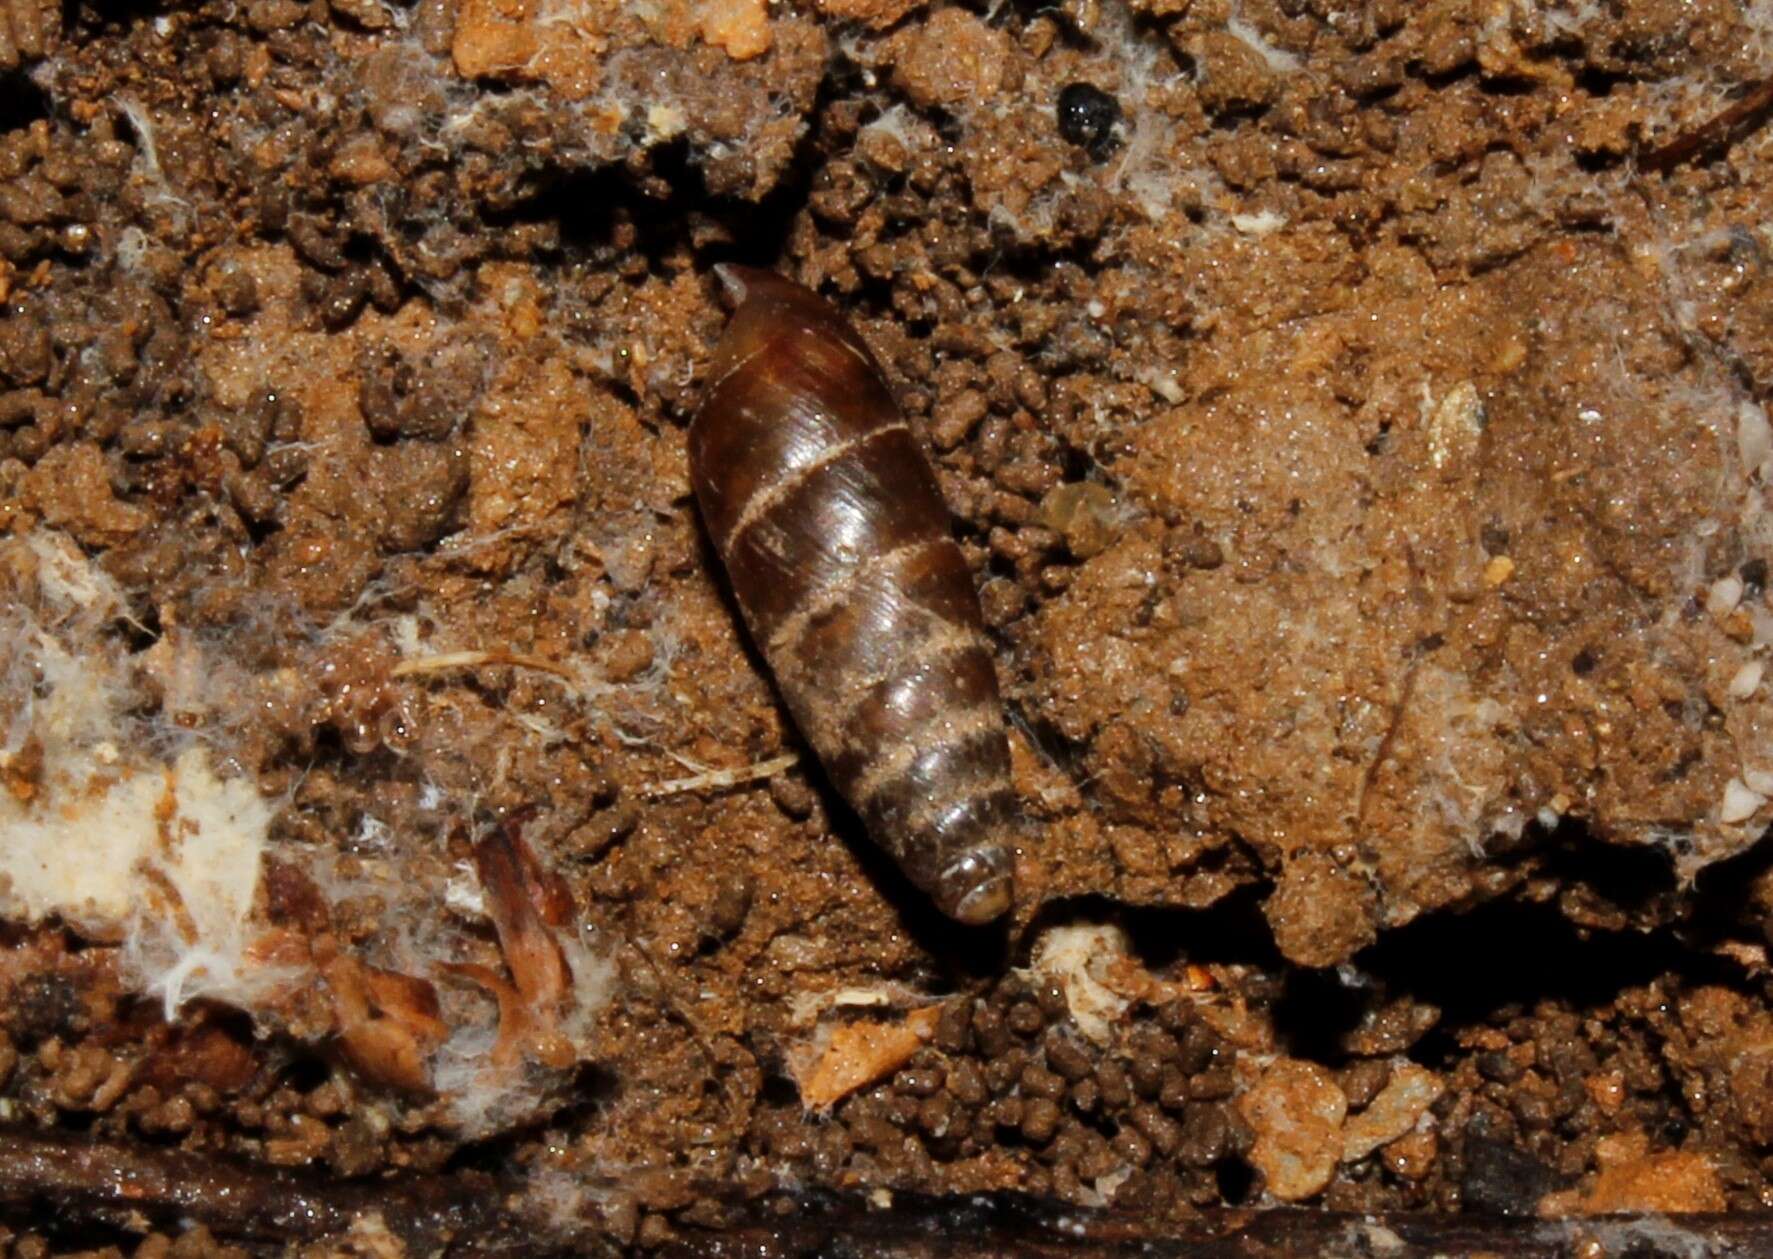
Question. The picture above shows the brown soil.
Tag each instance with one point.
(1361, 450)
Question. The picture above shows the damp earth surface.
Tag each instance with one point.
(1354, 417)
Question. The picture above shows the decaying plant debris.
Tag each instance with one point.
(1355, 420)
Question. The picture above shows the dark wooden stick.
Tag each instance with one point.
(988, 1228)
(1725, 127)
(54, 1182)
(73, 1186)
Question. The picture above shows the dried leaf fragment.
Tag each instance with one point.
(858, 1054)
(388, 1022)
(526, 902)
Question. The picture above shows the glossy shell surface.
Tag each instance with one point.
(840, 552)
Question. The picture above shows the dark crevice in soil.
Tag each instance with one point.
(1471, 965)
(22, 102)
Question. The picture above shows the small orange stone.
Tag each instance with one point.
(493, 37)
(741, 28)
(1631, 1179)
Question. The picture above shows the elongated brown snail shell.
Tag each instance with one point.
(841, 555)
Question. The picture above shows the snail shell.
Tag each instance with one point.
(840, 553)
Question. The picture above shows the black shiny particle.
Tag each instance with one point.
(1087, 116)
(1754, 578)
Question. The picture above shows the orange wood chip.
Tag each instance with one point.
(858, 1054)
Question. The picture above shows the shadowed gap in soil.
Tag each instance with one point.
(668, 205)
(1472, 964)
(22, 102)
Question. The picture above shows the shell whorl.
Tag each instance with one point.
(839, 549)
